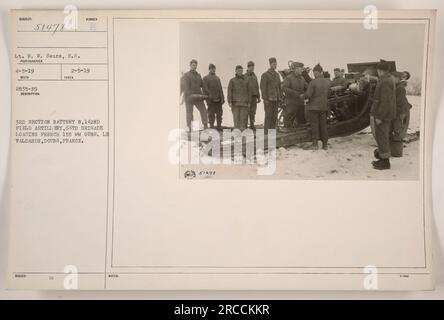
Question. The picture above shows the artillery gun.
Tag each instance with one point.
(349, 108)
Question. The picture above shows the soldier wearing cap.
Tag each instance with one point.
(383, 112)
(339, 80)
(271, 94)
(192, 85)
(212, 87)
(293, 86)
(239, 98)
(317, 107)
(254, 91)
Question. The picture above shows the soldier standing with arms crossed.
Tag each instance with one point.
(271, 94)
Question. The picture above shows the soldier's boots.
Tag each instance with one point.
(376, 154)
(315, 145)
(325, 145)
(381, 164)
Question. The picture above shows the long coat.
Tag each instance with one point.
(384, 98)
(212, 87)
(271, 86)
(239, 91)
(317, 94)
(402, 104)
(254, 84)
(293, 87)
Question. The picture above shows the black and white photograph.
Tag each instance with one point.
(344, 100)
(234, 151)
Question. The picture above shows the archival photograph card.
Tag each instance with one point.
(221, 150)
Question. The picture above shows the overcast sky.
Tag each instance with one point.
(227, 44)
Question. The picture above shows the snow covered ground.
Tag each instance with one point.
(350, 157)
(347, 158)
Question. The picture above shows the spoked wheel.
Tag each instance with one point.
(280, 123)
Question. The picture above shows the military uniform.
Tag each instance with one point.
(271, 94)
(255, 95)
(401, 122)
(239, 99)
(403, 107)
(192, 84)
(212, 87)
(384, 109)
(293, 86)
(317, 108)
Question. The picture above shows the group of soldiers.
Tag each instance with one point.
(306, 99)
(243, 96)
(245, 92)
